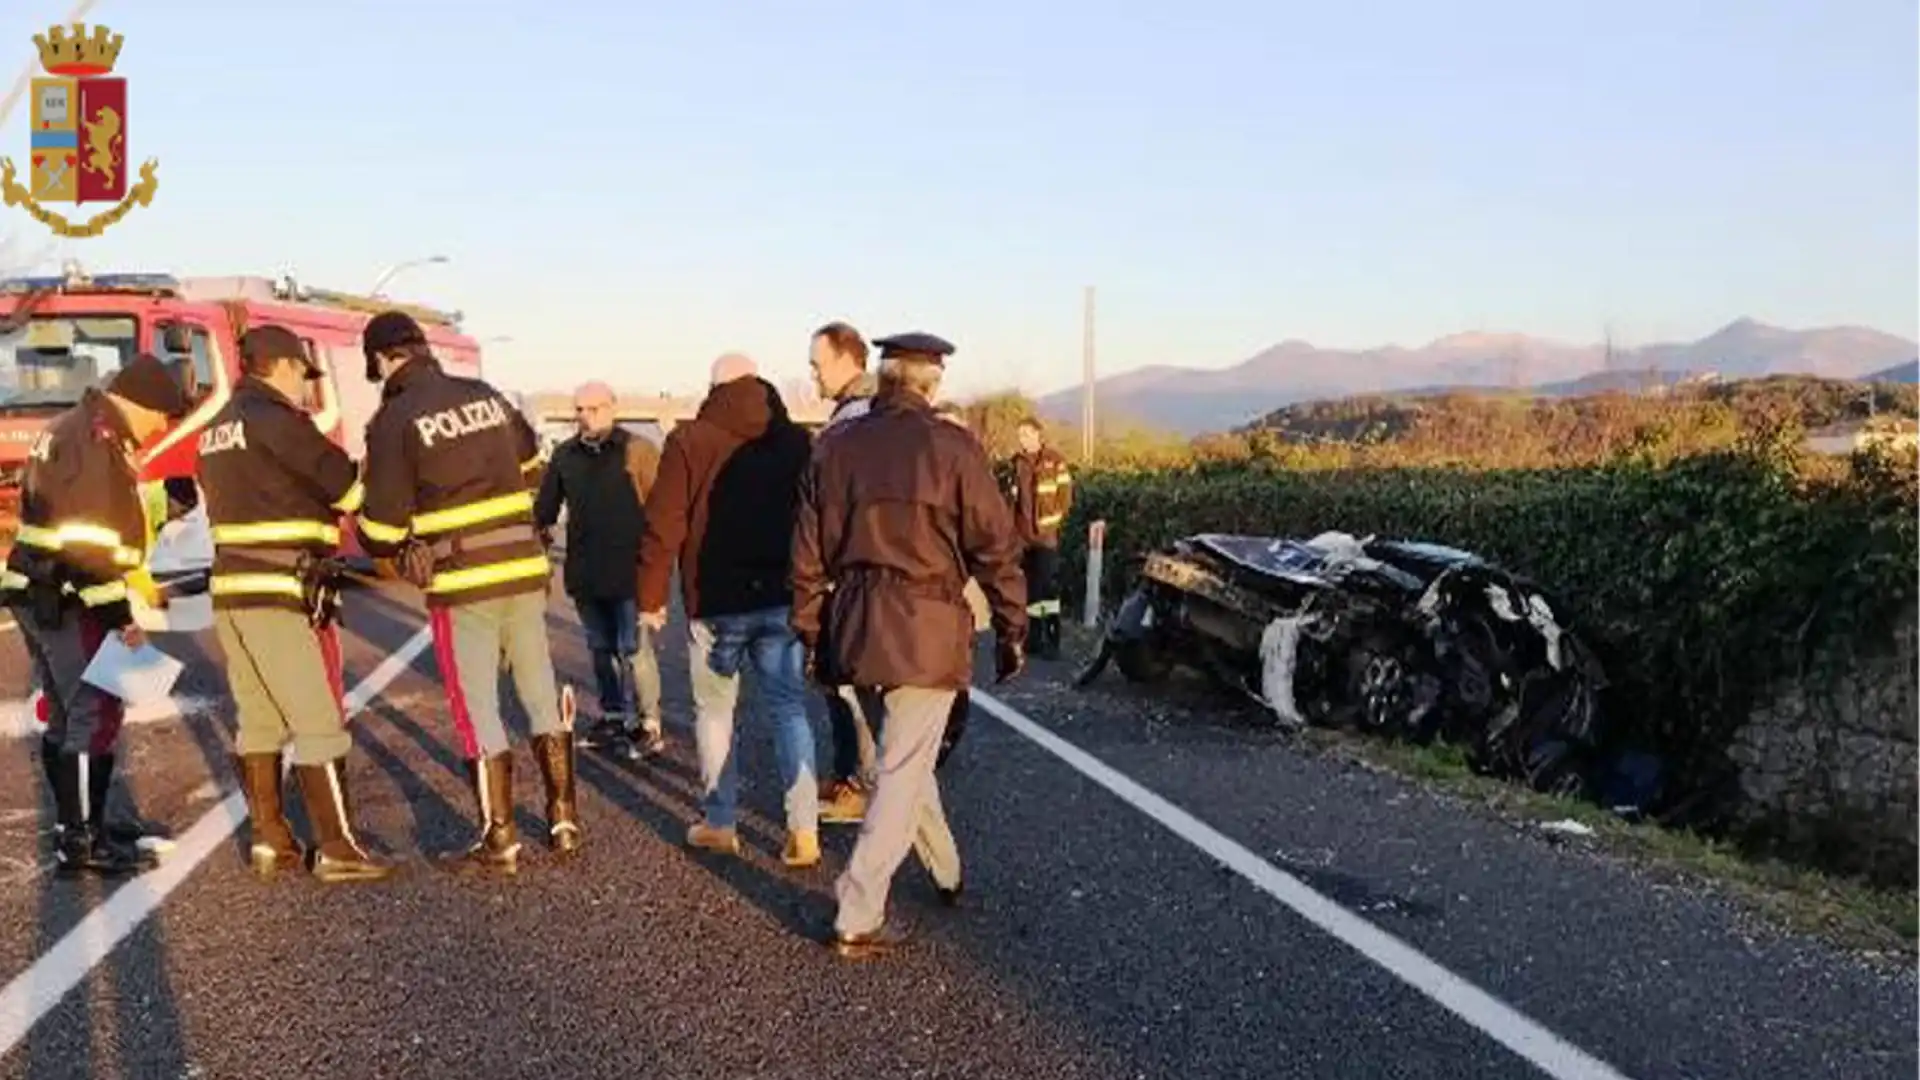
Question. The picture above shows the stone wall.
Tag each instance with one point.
(1830, 767)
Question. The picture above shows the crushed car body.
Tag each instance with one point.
(1395, 637)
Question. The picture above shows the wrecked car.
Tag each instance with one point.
(1396, 637)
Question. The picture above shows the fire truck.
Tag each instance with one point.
(61, 335)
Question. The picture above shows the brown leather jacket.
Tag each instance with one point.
(896, 513)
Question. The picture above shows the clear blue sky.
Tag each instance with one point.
(630, 189)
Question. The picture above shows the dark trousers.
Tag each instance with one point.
(81, 718)
(1042, 568)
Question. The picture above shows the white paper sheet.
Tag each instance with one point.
(135, 676)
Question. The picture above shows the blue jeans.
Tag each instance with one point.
(624, 664)
(721, 647)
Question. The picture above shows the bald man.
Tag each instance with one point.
(602, 477)
(723, 510)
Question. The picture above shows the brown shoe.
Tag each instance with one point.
(847, 806)
(337, 857)
(273, 847)
(714, 838)
(554, 752)
(498, 848)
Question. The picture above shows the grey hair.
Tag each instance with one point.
(919, 375)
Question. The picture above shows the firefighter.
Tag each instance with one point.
(1042, 495)
(896, 513)
(275, 489)
(447, 473)
(81, 544)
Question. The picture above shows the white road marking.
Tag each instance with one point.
(36, 991)
(1492, 1017)
(17, 719)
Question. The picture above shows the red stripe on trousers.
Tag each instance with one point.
(330, 656)
(93, 634)
(440, 621)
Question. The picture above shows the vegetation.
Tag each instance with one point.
(1690, 535)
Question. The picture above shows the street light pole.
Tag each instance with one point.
(1086, 388)
(397, 268)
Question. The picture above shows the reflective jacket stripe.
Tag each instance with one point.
(475, 513)
(479, 577)
(382, 533)
(91, 596)
(77, 534)
(277, 532)
(256, 585)
(351, 501)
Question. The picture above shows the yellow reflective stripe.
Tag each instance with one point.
(79, 533)
(276, 532)
(1045, 487)
(382, 534)
(479, 577)
(351, 501)
(1044, 607)
(255, 585)
(530, 464)
(1065, 479)
(1051, 520)
(98, 595)
(459, 517)
(13, 579)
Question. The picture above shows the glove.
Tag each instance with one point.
(414, 561)
(1009, 659)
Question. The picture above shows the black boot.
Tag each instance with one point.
(82, 849)
(122, 832)
(337, 856)
(554, 752)
(498, 848)
(273, 847)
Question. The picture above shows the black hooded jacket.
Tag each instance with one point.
(723, 505)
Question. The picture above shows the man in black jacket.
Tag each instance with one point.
(603, 476)
(729, 482)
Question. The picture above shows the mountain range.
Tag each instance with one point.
(1192, 401)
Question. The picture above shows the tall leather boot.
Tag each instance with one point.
(337, 857)
(554, 752)
(81, 848)
(273, 847)
(124, 833)
(498, 849)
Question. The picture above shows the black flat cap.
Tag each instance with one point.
(917, 344)
(146, 382)
(262, 345)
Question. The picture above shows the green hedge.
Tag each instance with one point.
(1696, 580)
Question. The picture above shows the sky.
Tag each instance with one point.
(627, 190)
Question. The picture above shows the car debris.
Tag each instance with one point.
(1404, 638)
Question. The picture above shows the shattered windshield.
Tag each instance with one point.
(53, 359)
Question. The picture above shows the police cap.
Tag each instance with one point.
(386, 332)
(262, 346)
(146, 382)
(916, 344)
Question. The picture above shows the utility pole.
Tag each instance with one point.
(1086, 377)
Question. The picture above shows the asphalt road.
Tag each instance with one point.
(1096, 940)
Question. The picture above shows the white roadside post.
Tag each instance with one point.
(1096, 545)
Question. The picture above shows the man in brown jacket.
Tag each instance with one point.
(879, 603)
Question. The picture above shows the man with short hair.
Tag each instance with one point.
(1042, 496)
(896, 513)
(602, 476)
(81, 543)
(729, 479)
(275, 490)
(837, 356)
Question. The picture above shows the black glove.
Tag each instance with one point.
(1009, 659)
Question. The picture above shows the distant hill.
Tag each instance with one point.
(1192, 401)
(1908, 372)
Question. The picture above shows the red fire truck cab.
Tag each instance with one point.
(61, 335)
